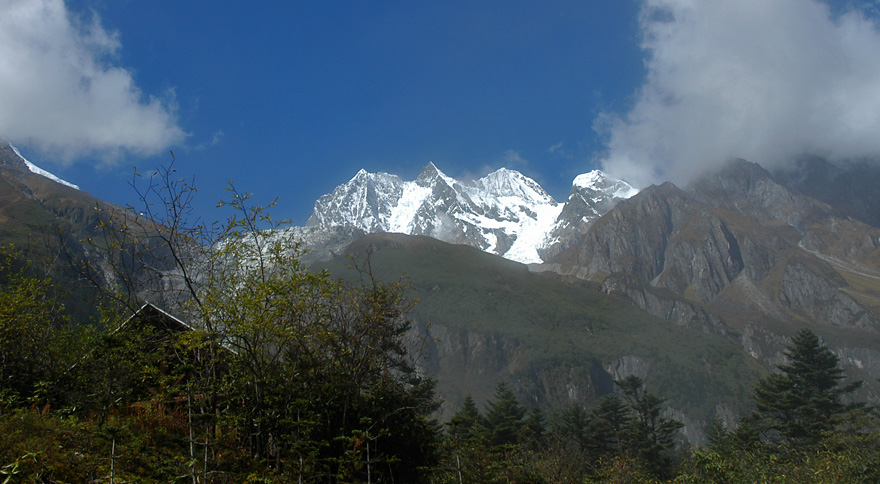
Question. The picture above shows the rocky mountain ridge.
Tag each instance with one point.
(738, 253)
(504, 213)
(32, 200)
(742, 256)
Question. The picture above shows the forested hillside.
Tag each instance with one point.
(275, 373)
(310, 381)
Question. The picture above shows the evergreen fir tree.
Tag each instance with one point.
(717, 435)
(533, 429)
(605, 429)
(569, 426)
(648, 436)
(504, 418)
(464, 423)
(803, 402)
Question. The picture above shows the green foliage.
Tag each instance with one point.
(606, 425)
(802, 403)
(554, 322)
(647, 436)
(846, 465)
(36, 340)
(570, 425)
(500, 446)
(287, 375)
(293, 376)
(505, 418)
(319, 382)
(800, 431)
(464, 424)
(717, 435)
(618, 434)
(623, 469)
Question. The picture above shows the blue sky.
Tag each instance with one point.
(290, 99)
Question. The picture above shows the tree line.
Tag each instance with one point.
(292, 376)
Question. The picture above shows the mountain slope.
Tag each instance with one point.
(592, 195)
(850, 188)
(558, 340)
(739, 254)
(47, 218)
(34, 203)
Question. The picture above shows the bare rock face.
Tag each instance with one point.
(740, 254)
(472, 362)
(819, 295)
(851, 187)
(737, 223)
(592, 195)
(702, 257)
(664, 304)
(632, 238)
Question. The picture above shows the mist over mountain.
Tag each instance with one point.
(850, 187)
(767, 81)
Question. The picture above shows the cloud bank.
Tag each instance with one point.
(764, 80)
(59, 94)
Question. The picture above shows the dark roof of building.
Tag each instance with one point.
(160, 319)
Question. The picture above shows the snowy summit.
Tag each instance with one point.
(39, 171)
(505, 212)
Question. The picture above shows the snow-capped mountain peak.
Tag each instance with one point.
(36, 169)
(588, 180)
(592, 195)
(430, 175)
(504, 212)
(597, 180)
(511, 183)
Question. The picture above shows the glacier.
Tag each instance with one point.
(504, 213)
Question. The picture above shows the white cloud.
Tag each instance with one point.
(59, 94)
(513, 159)
(559, 150)
(765, 80)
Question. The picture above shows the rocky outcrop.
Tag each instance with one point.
(740, 254)
(747, 188)
(851, 188)
(702, 257)
(632, 238)
(664, 304)
(470, 362)
(592, 195)
(321, 243)
(738, 223)
(675, 241)
(819, 296)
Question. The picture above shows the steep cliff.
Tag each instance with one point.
(557, 340)
(739, 254)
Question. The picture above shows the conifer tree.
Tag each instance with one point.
(648, 435)
(463, 424)
(607, 423)
(717, 435)
(533, 429)
(797, 406)
(504, 418)
(570, 426)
